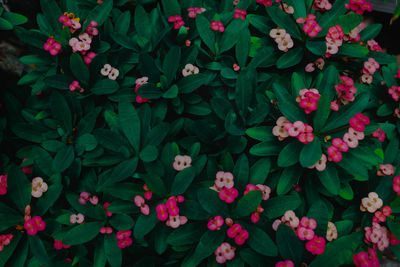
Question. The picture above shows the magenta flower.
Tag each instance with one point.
(217, 26)
(3, 184)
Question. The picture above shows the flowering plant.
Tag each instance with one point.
(192, 132)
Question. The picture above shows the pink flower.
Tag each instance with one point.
(228, 195)
(234, 230)
(396, 184)
(38, 187)
(287, 263)
(139, 202)
(94, 200)
(334, 154)
(123, 243)
(356, 124)
(216, 223)
(385, 170)
(77, 218)
(217, 26)
(123, 234)
(308, 223)
(162, 213)
(30, 227)
(240, 13)
(228, 251)
(182, 162)
(176, 221)
(189, 70)
(106, 70)
(304, 233)
(59, 245)
(241, 238)
(340, 144)
(296, 128)
(291, 218)
(350, 140)
(109, 214)
(387, 211)
(364, 259)
(310, 67)
(276, 224)
(3, 184)
(27, 169)
(106, 230)
(316, 245)
(357, 135)
(236, 67)
(266, 190)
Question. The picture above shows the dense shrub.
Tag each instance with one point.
(194, 132)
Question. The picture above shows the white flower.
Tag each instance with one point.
(38, 187)
(113, 74)
(106, 70)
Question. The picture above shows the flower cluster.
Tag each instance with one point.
(320, 165)
(217, 26)
(377, 235)
(310, 26)
(303, 132)
(385, 170)
(81, 44)
(169, 212)
(89, 58)
(189, 69)
(75, 85)
(364, 259)
(255, 216)
(319, 63)
(240, 14)
(139, 82)
(77, 218)
(316, 245)
(69, 20)
(182, 162)
(394, 91)
(91, 29)
(140, 203)
(331, 232)
(370, 67)
(238, 233)
(282, 39)
(177, 20)
(193, 11)
(334, 40)
(322, 5)
(109, 71)
(124, 238)
(286, 263)
(32, 226)
(84, 197)
(396, 185)
(371, 203)
(350, 139)
(215, 223)
(38, 187)
(285, 7)
(224, 252)
(27, 213)
(266, 190)
(379, 134)
(5, 240)
(106, 230)
(305, 231)
(374, 46)
(308, 99)
(359, 6)
(265, 2)
(59, 245)
(346, 92)
(3, 184)
(380, 216)
(52, 46)
(289, 218)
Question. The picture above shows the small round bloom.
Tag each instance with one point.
(182, 162)
(105, 71)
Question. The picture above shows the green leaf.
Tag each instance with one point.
(330, 179)
(105, 87)
(205, 32)
(155, 184)
(19, 188)
(51, 12)
(316, 47)
(9, 250)
(353, 50)
(183, 180)
(130, 123)
(277, 206)
(31, 37)
(289, 245)
(112, 252)
(37, 248)
(171, 7)
(5, 25)
(211, 203)
(142, 22)
(241, 172)
(8, 217)
(149, 153)
(61, 111)
(319, 212)
(289, 155)
(231, 34)
(160, 240)
(208, 243)
(59, 81)
(171, 92)
(87, 141)
(338, 8)
(121, 222)
(244, 91)
(242, 49)
(80, 234)
(48, 199)
(311, 153)
(150, 91)
(267, 148)
(353, 166)
(261, 23)
(299, 7)
(370, 32)
(122, 171)
(191, 83)
(99, 13)
(63, 159)
(171, 63)
(79, 68)
(340, 119)
(124, 41)
(261, 133)
(144, 224)
(289, 108)
(289, 177)
(346, 192)
(284, 21)
(248, 203)
(185, 235)
(260, 242)
(290, 58)
(259, 171)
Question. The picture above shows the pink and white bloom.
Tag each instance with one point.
(189, 70)
(182, 162)
(38, 187)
